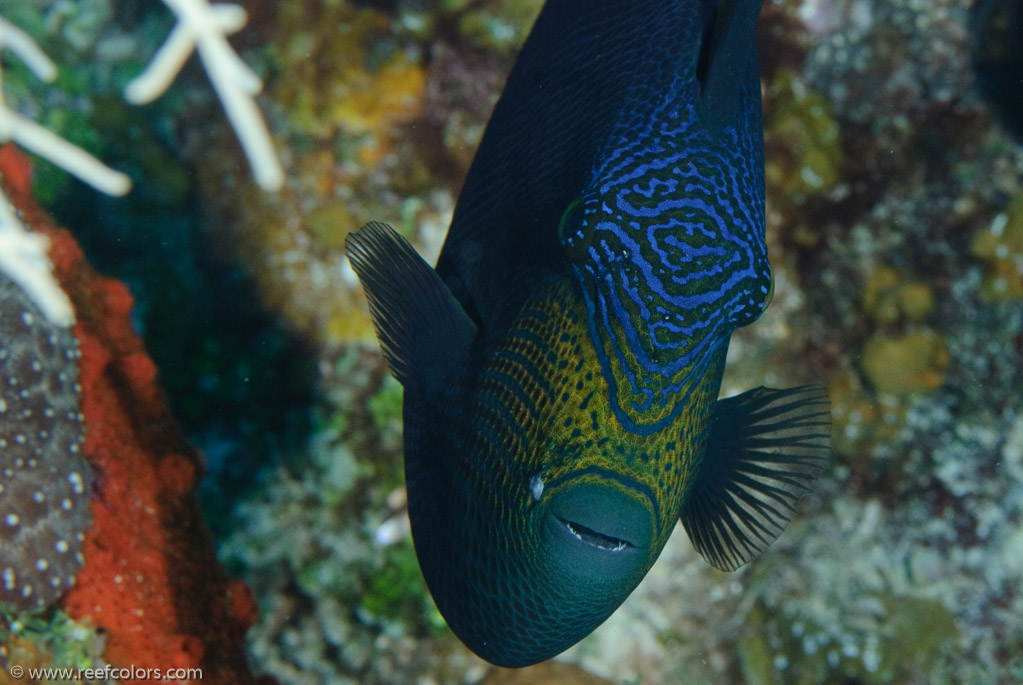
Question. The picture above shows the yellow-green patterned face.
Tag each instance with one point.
(581, 445)
(564, 511)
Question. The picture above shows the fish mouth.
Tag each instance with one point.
(595, 538)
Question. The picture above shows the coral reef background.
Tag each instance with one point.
(895, 227)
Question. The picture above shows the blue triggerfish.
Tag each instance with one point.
(562, 363)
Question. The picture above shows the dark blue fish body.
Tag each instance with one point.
(562, 363)
(996, 27)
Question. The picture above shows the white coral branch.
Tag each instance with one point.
(42, 142)
(24, 254)
(22, 45)
(24, 258)
(204, 27)
(68, 156)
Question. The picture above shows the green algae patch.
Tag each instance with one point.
(889, 297)
(864, 425)
(912, 364)
(805, 153)
(54, 640)
(331, 224)
(362, 84)
(386, 405)
(754, 653)
(498, 26)
(397, 592)
(1000, 248)
(911, 635)
(915, 633)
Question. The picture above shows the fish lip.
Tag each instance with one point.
(594, 538)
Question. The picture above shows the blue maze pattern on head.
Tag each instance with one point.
(671, 253)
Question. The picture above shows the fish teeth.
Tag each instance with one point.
(595, 539)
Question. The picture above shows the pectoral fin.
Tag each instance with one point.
(764, 449)
(423, 330)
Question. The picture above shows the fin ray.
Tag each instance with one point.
(421, 326)
(764, 449)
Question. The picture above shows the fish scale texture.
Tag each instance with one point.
(667, 238)
(44, 479)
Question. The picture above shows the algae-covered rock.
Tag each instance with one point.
(906, 365)
(362, 82)
(327, 549)
(55, 640)
(805, 154)
(861, 421)
(914, 633)
(787, 649)
(498, 26)
(1000, 248)
(888, 296)
(398, 590)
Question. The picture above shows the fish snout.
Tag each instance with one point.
(599, 531)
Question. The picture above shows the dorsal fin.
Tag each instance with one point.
(423, 330)
(726, 59)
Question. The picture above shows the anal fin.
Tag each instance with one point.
(423, 330)
(764, 449)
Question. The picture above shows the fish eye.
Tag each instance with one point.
(770, 293)
(752, 309)
(536, 487)
(573, 229)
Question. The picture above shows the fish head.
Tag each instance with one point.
(534, 513)
(523, 569)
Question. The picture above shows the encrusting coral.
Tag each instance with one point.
(44, 480)
(150, 580)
